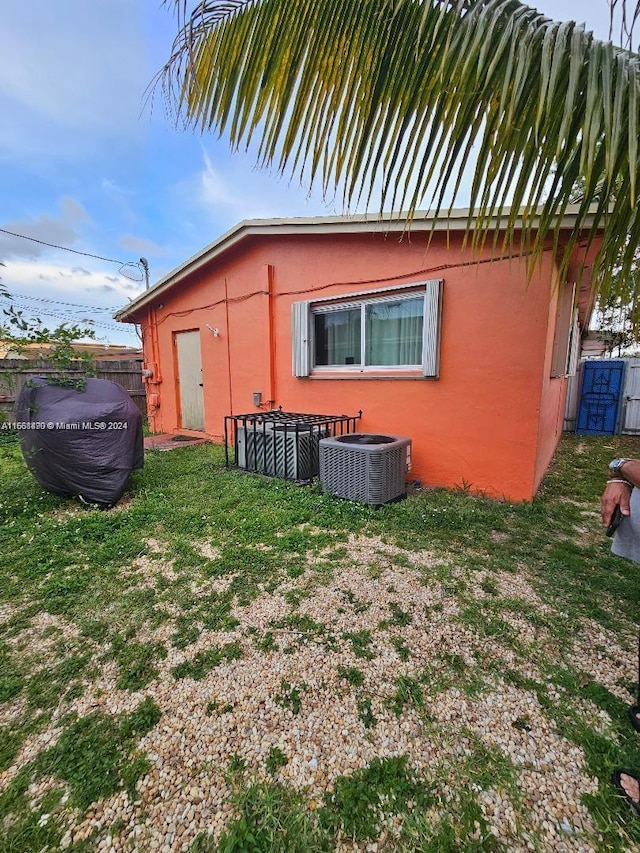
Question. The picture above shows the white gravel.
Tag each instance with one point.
(185, 792)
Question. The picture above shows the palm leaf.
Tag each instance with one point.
(398, 98)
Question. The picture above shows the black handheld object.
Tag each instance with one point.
(616, 518)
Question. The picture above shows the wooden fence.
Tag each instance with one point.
(14, 372)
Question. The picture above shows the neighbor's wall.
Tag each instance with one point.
(479, 425)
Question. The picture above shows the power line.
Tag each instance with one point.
(48, 312)
(70, 304)
(64, 248)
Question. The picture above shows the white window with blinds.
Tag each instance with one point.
(395, 330)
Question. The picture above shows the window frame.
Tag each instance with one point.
(303, 335)
(361, 305)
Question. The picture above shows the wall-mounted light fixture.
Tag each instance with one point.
(215, 332)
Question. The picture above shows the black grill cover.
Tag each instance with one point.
(80, 443)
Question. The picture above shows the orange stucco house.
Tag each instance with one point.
(452, 348)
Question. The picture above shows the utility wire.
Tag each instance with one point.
(70, 304)
(64, 248)
(69, 319)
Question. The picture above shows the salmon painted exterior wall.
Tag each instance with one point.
(492, 419)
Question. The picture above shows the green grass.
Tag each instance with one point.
(205, 661)
(136, 662)
(273, 819)
(365, 713)
(360, 802)
(97, 576)
(290, 695)
(360, 643)
(95, 756)
(275, 760)
(352, 674)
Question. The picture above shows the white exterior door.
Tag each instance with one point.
(191, 396)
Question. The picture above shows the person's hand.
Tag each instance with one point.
(615, 494)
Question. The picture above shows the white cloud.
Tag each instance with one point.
(66, 284)
(73, 295)
(73, 211)
(16, 247)
(214, 191)
(59, 231)
(229, 188)
(141, 245)
(114, 191)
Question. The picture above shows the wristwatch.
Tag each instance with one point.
(615, 466)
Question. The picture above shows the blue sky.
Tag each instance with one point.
(86, 164)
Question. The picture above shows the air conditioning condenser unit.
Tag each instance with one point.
(365, 467)
(276, 451)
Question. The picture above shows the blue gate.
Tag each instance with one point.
(600, 397)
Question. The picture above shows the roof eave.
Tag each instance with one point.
(455, 220)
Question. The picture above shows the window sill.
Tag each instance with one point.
(369, 374)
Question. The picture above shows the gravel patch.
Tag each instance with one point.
(242, 708)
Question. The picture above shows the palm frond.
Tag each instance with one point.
(397, 98)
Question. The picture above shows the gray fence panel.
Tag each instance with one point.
(631, 399)
(14, 372)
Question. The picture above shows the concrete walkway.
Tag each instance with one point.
(170, 441)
